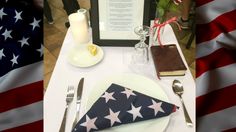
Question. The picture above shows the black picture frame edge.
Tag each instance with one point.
(94, 19)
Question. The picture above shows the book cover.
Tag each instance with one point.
(168, 61)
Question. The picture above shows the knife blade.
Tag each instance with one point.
(78, 100)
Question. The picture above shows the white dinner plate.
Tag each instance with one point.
(80, 57)
(140, 84)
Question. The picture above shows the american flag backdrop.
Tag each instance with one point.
(21, 67)
(216, 65)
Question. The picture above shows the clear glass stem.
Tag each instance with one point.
(142, 39)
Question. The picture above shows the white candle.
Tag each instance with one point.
(84, 11)
(79, 28)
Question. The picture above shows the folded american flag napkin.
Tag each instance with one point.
(120, 105)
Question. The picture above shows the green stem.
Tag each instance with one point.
(166, 8)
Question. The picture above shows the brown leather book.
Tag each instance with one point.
(168, 61)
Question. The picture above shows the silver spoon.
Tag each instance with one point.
(178, 89)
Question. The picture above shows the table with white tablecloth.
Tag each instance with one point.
(65, 74)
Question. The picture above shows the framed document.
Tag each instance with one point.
(113, 21)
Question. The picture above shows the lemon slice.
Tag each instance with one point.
(92, 48)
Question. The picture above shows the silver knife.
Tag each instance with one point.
(78, 100)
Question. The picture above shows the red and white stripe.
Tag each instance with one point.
(21, 94)
(216, 65)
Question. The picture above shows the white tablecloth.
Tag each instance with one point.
(65, 74)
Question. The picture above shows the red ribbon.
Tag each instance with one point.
(177, 1)
(161, 25)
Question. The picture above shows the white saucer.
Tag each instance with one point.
(80, 56)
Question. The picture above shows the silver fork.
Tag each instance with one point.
(69, 99)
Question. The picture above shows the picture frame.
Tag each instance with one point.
(126, 42)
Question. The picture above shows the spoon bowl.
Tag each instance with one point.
(177, 87)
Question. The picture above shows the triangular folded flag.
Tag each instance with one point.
(120, 105)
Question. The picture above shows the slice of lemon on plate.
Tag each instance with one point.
(92, 48)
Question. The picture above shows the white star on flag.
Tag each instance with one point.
(7, 34)
(40, 50)
(0, 27)
(89, 123)
(108, 96)
(128, 92)
(35, 23)
(113, 117)
(14, 60)
(156, 107)
(135, 111)
(18, 16)
(2, 13)
(1, 54)
(23, 41)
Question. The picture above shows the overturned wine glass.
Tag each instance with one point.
(141, 54)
